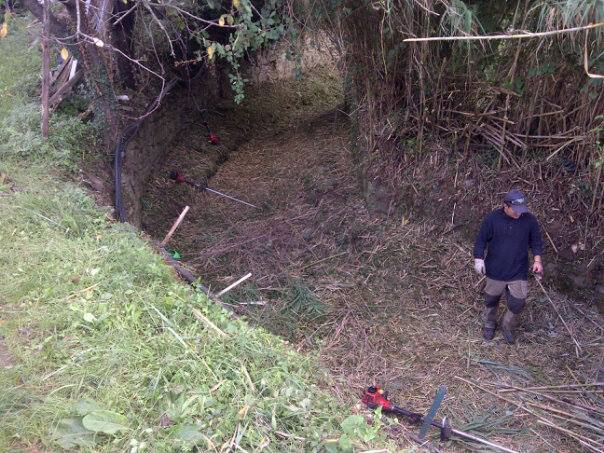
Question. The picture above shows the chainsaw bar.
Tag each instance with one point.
(427, 421)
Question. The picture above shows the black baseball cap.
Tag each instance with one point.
(517, 201)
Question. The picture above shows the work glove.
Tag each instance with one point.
(479, 266)
(538, 270)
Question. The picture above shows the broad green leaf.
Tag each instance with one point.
(71, 433)
(107, 422)
(89, 317)
(352, 424)
(188, 433)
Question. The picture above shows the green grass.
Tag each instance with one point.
(107, 355)
(93, 314)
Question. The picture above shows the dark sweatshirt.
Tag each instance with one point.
(506, 241)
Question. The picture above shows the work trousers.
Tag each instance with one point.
(516, 292)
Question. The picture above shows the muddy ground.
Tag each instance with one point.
(388, 300)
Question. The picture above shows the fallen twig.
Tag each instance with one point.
(323, 260)
(585, 441)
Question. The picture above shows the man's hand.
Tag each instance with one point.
(537, 266)
(479, 266)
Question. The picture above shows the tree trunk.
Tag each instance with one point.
(55, 27)
(97, 67)
(45, 66)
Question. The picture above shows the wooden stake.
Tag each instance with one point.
(551, 242)
(175, 226)
(230, 287)
(45, 66)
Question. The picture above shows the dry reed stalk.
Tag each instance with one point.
(526, 35)
(577, 345)
(563, 386)
(574, 404)
(567, 417)
(585, 441)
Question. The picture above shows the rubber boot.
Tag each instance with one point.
(508, 323)
(489, 318)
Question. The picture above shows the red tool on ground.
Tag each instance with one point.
(375, 397)
(212, 137)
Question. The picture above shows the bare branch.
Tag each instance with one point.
(161, 26)
(78, 19)
(586, 61)
(125, 14)
(56, 27)
(514, 36)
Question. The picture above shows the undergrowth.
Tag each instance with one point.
(106, 352)
(20, 135)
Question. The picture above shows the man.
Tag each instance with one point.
(505, 235)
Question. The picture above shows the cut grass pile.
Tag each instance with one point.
(100, 349)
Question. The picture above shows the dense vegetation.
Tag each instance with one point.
(525, 100)
(519, 101)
